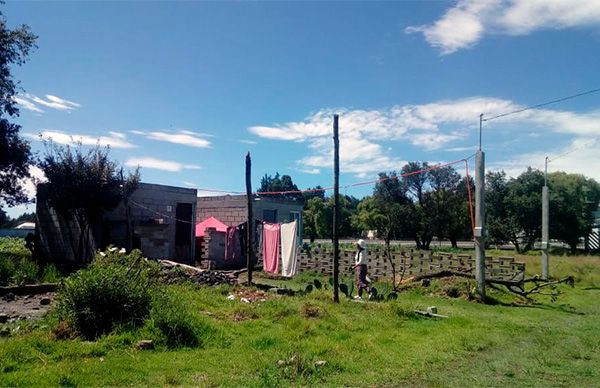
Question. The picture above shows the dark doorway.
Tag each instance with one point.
(183, 232)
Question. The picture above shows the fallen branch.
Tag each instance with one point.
(514, 286)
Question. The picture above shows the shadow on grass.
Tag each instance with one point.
(562, 308)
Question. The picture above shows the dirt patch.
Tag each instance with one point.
(15, 307)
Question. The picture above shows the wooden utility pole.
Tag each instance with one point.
(336, 209)
(250, 226)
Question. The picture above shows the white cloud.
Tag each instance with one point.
(465, 24)
(159, 164)
(251, 142)
(185, 137)
(366, 136)
(113, 140)
(33, 103)
(36, 176)
(581, 157)
(26, 104)
(311, 171)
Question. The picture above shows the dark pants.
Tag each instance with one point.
(361, 274)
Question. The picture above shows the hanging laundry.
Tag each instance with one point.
(258, 235)
(243, 236)
(231, 243)
(270, 247)
(289, 245)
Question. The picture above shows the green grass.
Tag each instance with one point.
(363, 344)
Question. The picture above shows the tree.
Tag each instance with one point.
(524, 208)
(25, 217)
(269, 184)
(15, 154)
(499, 225)
(318, 217)
(4, 219)
(313, 192)
(573, 199)
(513, 208)
(388, 210)
(81, 187)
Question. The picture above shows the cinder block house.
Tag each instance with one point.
(160, 220)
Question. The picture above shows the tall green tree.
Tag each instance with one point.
(524, 208)
(278, 183)
(573, 199)
(15, 154)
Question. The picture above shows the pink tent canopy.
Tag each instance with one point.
(210, 222)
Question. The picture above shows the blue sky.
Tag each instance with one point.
(185, 89)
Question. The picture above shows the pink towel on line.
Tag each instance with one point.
(270, 248)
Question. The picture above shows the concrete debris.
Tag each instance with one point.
(172, 274)
(9, 297)
(144, 345)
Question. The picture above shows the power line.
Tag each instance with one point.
(543, 104)
(357, 184)
(573, 150)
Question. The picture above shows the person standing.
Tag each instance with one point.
(360, 265)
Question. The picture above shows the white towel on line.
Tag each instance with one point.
(289, 249)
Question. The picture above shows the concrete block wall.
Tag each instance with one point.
(153, 204)
(231, 210)
(411, 262)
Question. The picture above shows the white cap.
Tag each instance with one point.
(362, 243)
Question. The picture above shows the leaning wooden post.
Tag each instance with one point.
(336, 209)
(250, 228)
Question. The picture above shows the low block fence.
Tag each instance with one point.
(410, 262)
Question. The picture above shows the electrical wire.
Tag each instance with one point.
(542, 104)
(573, 150)
(159, 213)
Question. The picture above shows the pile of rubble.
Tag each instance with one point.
(176, 273)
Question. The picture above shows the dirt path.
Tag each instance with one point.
(14, 307)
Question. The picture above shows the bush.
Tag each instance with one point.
(115, 290)
(51, 274)
(26, 272)
(176, 324)
(7, 270)
(16, 265)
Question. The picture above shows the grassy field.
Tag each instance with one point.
(280, 341)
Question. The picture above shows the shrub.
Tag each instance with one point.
(176, 323)
(16, 266)
(115, 290)
(26, 272)
(7, 270)
(51, 274)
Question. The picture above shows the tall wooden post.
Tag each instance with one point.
(250, 228)
(336, 209)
